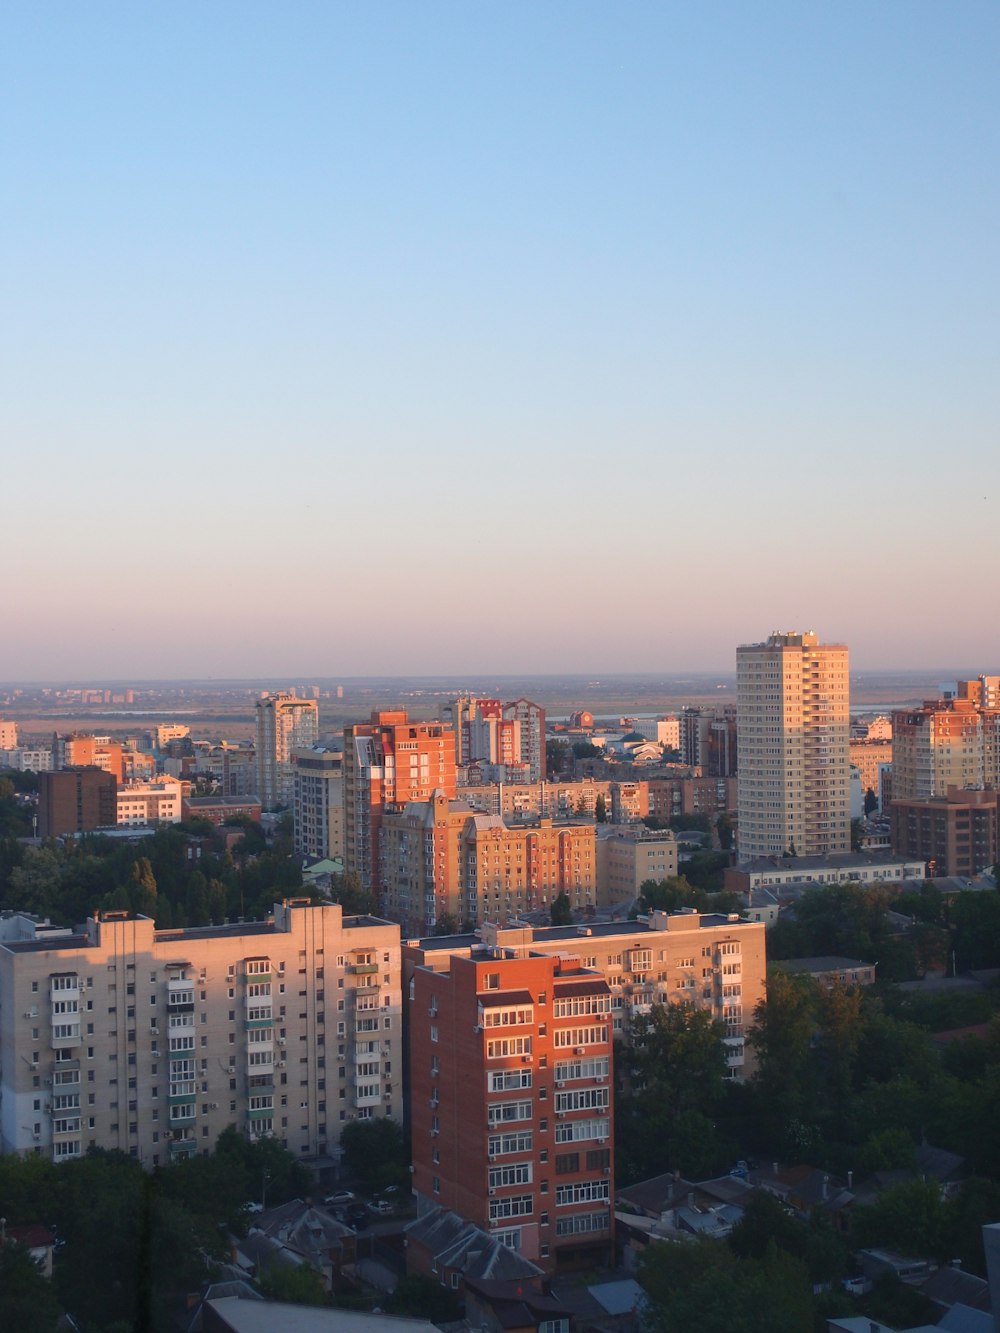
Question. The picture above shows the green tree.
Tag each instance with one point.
(674, 1079)
(601, 808)
(871, 802)
(781, 1036)
(27, 1301)
(560, 910)
(375, 1153)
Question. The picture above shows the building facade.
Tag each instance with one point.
(142, 803)
(713, 960)
(76, 800)
(937, 746)
(793, 718)
(389, 761)
(512, 1111)
(955, 834)
(318, 802)
(627, 857)
(284, 723)
(153, 1042)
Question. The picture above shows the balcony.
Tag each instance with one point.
(362, 969)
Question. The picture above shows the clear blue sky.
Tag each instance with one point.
(425, 337)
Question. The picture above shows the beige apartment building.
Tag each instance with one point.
(712, 960)
(152, 1041)
(156, 802)
(628, 856)
(793, 722)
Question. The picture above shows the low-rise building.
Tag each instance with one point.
(220, 809)
(776, 872)
(156, 802)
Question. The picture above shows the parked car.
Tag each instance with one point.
(339, 1199)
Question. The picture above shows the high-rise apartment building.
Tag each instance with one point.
(942, 744)
(318, 802)
(508, 737)
(530, 721)
(152, 1041)
(284, 723)
(512, 1112)
(389, 761)
(793, 722)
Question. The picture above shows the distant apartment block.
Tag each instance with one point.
(955, 833)
(492, 735)
(438, 858)
(776, 872)
(142, 803)
(78, 751)
(8, 734)
(151, 1042)
(708, 740)
(669, 797)
(220, 809)
(627, 857)
(794, 728)
(76, 800)
(318, 802)
(869, 757)
(389, 761)
(285, 723)
(24, 759)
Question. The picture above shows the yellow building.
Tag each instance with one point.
(793, 722)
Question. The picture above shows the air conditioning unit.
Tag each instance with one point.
(607, 1170)
(434, 1103)
(579, 1050)
(491, 1157)
(48, 1078)
(492, 1192)
(434, 1133)
(154, 1032)
(281, 1041)
(526, 1059)
(477, 1030)
(560, 1083)
(213, 1106)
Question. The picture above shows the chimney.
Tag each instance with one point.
(850, 1180)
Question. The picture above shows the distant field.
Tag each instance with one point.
(211, 716)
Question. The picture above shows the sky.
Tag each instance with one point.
(346, 338)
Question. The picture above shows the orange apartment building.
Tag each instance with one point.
(512, 1110)
(389, 761)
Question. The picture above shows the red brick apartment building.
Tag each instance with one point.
(75, 800)
(956, 834)
(511, 1102)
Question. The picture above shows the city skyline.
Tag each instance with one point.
(505, 339)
